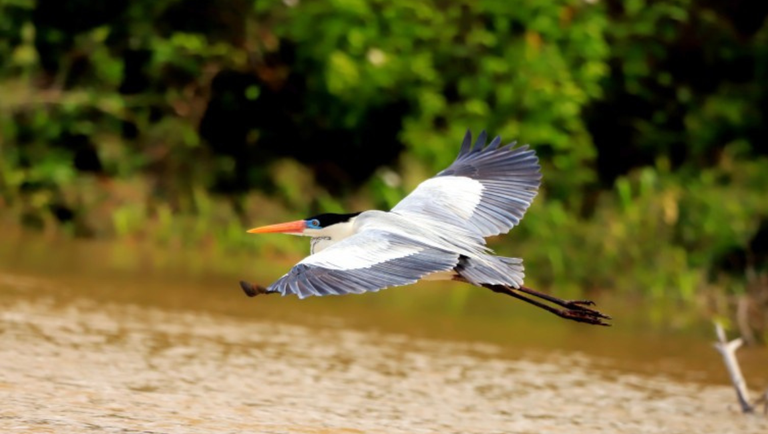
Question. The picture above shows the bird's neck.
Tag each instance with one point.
(331, 235)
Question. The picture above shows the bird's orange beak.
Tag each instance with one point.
(296, 227)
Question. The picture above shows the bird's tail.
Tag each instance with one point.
(492, 270)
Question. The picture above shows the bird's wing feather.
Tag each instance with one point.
(370, 260)
(488, 188)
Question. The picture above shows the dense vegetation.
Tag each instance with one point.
(182, 122)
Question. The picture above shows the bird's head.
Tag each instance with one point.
(316, 226)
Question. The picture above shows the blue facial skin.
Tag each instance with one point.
(312, 224)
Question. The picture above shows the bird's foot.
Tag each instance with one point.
(252, 289)
(577, 304)
(577, 312)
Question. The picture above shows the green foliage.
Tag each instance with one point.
(524, 70)
(653, 235)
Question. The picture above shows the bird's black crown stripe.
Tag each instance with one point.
(331, 219)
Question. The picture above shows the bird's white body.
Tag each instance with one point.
(358, 255)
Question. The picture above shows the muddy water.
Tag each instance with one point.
(89, 344)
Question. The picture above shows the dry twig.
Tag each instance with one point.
(728, 350)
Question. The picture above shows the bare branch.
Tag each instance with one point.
(728, 351)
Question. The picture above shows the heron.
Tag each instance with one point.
(438, 232)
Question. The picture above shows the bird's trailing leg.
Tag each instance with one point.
(570, 304)
(252, 289)
(575, 310)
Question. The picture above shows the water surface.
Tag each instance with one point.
(100, 338)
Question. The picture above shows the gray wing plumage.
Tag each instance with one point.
(488, 188)
(367, 261)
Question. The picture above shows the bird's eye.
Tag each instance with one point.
(314, 223)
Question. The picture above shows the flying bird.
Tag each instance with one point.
(437, 232)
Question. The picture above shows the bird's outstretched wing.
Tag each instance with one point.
(487, 188)
(368, 261)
